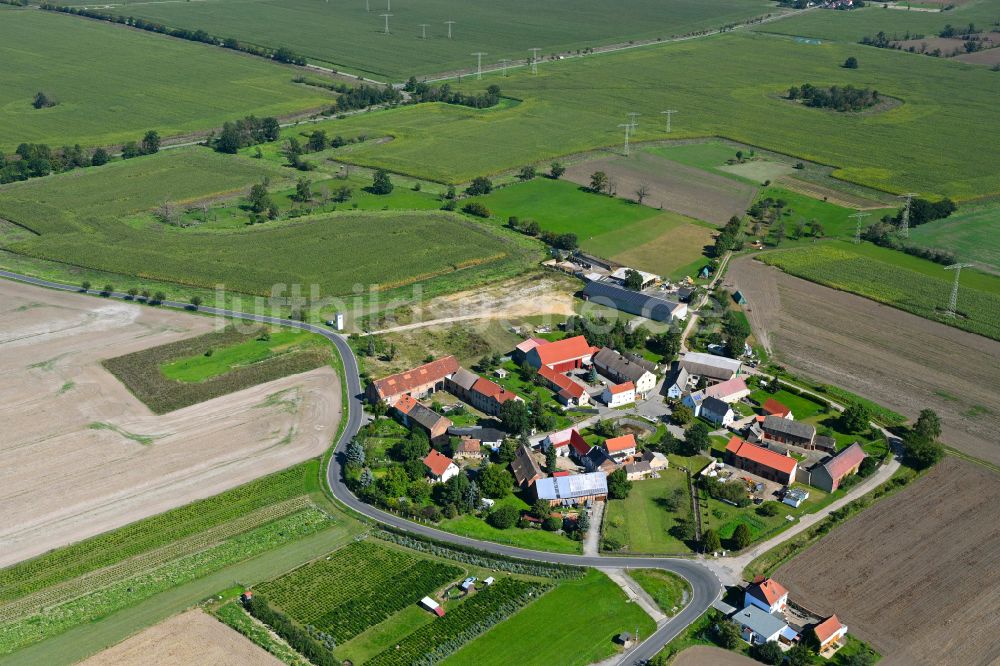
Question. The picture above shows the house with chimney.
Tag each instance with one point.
(439, 467)
(619, 395)
(619, 448)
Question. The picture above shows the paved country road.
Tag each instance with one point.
(705, 585)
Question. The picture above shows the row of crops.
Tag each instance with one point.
(129, 591)
(433, 642)
(356, 587)
(157, 531)
(910, 290)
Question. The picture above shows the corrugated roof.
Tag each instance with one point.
(573, 486)
(845, 461)
(633, 302)
(710, 365)
(761, 456)
(428, 373)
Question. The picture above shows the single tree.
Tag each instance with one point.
(598, 181)
(317, 141)
(367, 478)
(303, 189)
(728, 634)
(495, 481)
(710, 541)
(633, 280)
(85, 285)
(552, 524)
(855, 417)
(618, 484)
(99, 158)
(799, 655)
(742, 536)
(381, 184)
(583, 521)
(556, 170)
(195, 301)
(851, 63)
(41, 101)
(527, 173)
(130, 150)
(768, 653)
(159, 297)
(507, 451)
(480, 185)
(503, 517)
(696, 438)
(108, 288)
(133, 292)
(151, 142)
(514, 417)
(928, 425)
(355, 453)
(641, 193)
(550, 459)
(259, 198)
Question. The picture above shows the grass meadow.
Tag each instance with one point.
(969, 233)
(724, 86)
(343, 35)
(113, 84)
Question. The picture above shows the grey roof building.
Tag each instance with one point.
(787, 431)
(464, 379)
(720, 368)
(621, 368)
(758, 626)
(634, 302)
(488, 436)
(526, 469)
(715, 410)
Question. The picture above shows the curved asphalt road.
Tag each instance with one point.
(705, 586)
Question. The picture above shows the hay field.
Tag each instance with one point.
(918, 574)
(113, 84)
(81, 455)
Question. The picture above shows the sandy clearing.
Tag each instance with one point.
(187, 639)
(919, 573)
(705, 655)
(895, 358)
(61, 480)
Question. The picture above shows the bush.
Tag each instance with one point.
(503, 517)
(552, 524)
(477, 209)
(769, 509)
(479, 185)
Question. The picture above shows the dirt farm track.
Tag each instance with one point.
(918, 574)
(74, 456)
(897, 359)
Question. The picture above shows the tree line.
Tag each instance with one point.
(424, 92)
(846, 98)
(34, 160)
(922, 211)
(282, 54)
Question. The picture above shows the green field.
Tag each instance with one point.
(571, 626)
(726, 86)
(851, 26)
(642, 524)
(669, 591)
(343, 35)
(908, 283)
(253, 350)
(835, 219)
(969, 233)
(113, 84)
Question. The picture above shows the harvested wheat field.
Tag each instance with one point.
(671, 185)
(81, 455)
(918, 574)
(188, 639)
(899, 360)
(705, 655)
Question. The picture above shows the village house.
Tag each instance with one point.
(634, 302)
(413, 414)
(573, 489)
(638, 470)
(710, 367)
(568, 392)
(677, 382)
(564, 441)
(418, 383)
(760, 461)
(828, 474)
(485, 395)
(829, 633)
(729, 391)
(758, 626)
(619, 395)
(491, 437)
(597, 460)
(470, 449)
(718, 412)
(767, 594)
(621, 369)
(525, 468)
(657, 461)
(774, 408)
(440, 467)
(619, 448)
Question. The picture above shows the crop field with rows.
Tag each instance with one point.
(908, 283)
(356, 587)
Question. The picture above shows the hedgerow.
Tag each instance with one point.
(296, 635)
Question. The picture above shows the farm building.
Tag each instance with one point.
(829, 633)
(469, 448)
(521, 350)
(413, 414)
(787, 431)
(619, 368)
(638, 470)
(485, 395)
(634, 302)
(561, 355)
(418, 383)
(774, 408)
(573, 489)
(525, 468)
(828, 474)
(568, 392)
(717, 411)
(766, 594)
(597, 460)
(564, 441)
(619, 275)
(490, 437)
(619, 448)
(758, 626)
(619, 395)
(760, 461)
(711, 367)
(432, 606)
(440, 467)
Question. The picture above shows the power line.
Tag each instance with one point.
(449, 24)
(479, 67)
(534, 60)
(632, 116)
(857, 230)
(904, 227)
(668, 113)
(953, 301)
(504, 62)
(386, 16)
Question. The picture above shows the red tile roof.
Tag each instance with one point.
(772, 406)
(437, 462)
(572, 437)
(622, 388)
(493, 390)
(563, 473)
(428, 373)
(560, 351)
(827, 628)
(406, 403)
(468, 445)
(845, 461)
(567, 386)
(616, 444)
(761, 456)
(768, 590)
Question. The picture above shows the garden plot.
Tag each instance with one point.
(670, 185)
(81, 455)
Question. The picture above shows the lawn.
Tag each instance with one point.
(705, 155)
(802, 407)
(835, 219)
(724, 518)
(909, 283)
(641, 523)
(343, 35)
(969, 233)
(572, 625)
(113, 84)
(366, 645)
(669, 591)
(214, 362)
(530, 538)
(725, 86)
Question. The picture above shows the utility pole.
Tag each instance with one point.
(627, 127)
(479, 67)
(386, 16)
(388, 5)
(668, 114)
(368, 6)
(504, 62)
(857, 230)
(423, 30)
(534, 60)
(449, 24)
(904, 227)
(632, 116)
(953, 301)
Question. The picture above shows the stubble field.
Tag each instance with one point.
(892, 357)
(917, 575)
(81, 455)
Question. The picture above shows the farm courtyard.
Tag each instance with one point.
(917, 575)
(81, 455)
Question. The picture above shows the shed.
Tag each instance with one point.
(740, 298)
